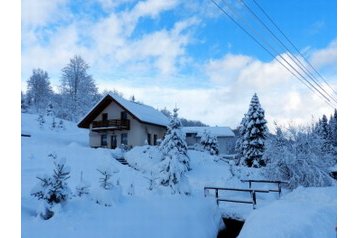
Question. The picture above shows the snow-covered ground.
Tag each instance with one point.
(305, 212)
(156, 212)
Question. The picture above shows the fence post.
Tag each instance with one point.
(253, 199)
(279, 189)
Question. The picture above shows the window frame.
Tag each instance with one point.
(104, 116)
(149, 137)
(124, 138)
(104, 140)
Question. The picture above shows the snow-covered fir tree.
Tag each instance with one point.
(209, 143)
(175, 161)
(41, 120)
(108, 193)
(105, 180)
(253, 131)
(131, 191)
(53, 189)
(333, 132)
(82, 189)
(61, 125)
(49, 110)
(240, 141)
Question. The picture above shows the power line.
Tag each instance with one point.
(278, 28)
(279, 55)
(290, 54)
(310, 86)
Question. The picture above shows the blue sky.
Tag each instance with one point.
(184, 53)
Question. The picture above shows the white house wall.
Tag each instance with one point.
(137, 134)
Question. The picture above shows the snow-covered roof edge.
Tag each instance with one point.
(218, 131)
(144, 113)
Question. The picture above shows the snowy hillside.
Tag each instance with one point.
(156, 213)
(141, 211)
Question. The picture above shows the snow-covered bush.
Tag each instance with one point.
(118, 153)
(295, 156)
(175, 161)
(209, 143)
(53, 189)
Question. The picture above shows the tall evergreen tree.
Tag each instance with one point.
(333, 130)
(253, 130)
(78, 89)
(175, 161)
(323, 130)
(39, 90)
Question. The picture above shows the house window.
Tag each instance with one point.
(113, 141)
(124, 115)
(104, 140)
(104, 116)
(190, 134)
(124, 139)
(148, 139)
(155, 138)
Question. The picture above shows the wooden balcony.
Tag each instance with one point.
(123, 124)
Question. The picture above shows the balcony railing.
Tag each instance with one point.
(123, 124)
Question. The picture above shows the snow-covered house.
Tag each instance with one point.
(225, 136)
(115, 121)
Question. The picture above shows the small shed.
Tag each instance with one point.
(224, 135)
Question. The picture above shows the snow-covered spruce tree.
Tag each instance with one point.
(131, 191)
(104, 181)
(78, 89)
(323, 131)
(49, 110)
(209, 143)
(239, 149)
(41, 120)
(332, 124)
(175, 161)
(61, 125)
(108, 193)
(53, 189)
(253, 131)
(82, 189)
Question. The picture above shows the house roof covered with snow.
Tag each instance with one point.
(215, 130)
(141, 112)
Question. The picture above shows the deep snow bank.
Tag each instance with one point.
(146, 214)
(158, 216)
(304, 213)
